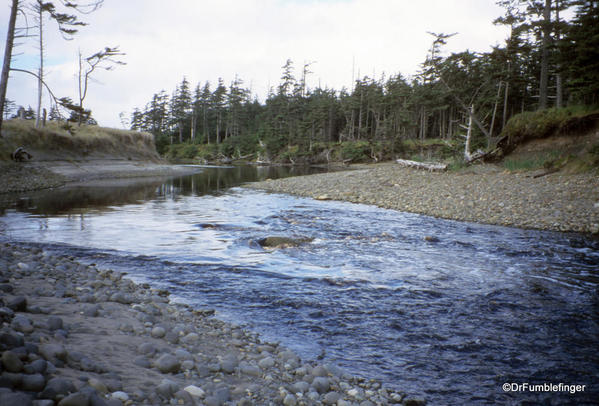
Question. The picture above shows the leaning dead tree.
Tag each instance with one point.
(10, 39)
(440, 39)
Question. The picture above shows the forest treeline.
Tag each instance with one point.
(548, 61)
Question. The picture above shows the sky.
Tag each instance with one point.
(203, 40)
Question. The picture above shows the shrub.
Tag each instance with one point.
(356, 151)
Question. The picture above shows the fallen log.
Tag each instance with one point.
(429, 166)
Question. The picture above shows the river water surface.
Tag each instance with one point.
(451, 320)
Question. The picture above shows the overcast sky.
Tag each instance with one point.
(207, 39)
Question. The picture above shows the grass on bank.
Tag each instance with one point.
(566, 138)
(58, 140)
(567, 121)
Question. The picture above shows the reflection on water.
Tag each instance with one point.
(452, 319)
(102, 195)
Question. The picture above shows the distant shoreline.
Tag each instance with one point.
(39, 175)
(482, 194)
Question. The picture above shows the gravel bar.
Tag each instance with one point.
(483, 194)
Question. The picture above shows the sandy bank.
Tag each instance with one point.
(35, 175)
(483, 194)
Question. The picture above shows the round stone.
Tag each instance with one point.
(167, 364)
(33, 383)
(54, 323)
(75, 399)
(195, 391)
(11, 362)
(289, 400)
(267, 362)
(158, 332)
(120, 395)
(321, 384)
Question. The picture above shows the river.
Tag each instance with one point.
(451, 318)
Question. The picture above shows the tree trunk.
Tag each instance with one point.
(40, 78)
(544, 82)
(193, 126)
(559, 92)
(81, 91)
(10, 39)
(489, 140)
(218, 120)
(467, 154)
(360, 114)
(505, 99)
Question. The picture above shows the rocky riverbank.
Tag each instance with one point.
(76, 335)
(482, 194)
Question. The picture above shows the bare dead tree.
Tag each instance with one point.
(104, 59)
(66, 24)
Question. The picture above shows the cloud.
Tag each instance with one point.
(204, 40)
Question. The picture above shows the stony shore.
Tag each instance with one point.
(76, 335)
(483, 193)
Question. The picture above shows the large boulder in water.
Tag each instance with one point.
(282, 242)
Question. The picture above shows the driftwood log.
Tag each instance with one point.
(429, 166)
(20, 155)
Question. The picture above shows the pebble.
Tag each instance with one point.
(166, 389)
(167, 364)
(120, 395)
(12, 398)
(55, 323)
(98, 385)
(75, 399)
(22, 324)
(17, 304)
(250, 370)
(52, 352)
(228, 365)
(33, 383)
(142, 362)
(190, 338)
(195, 391)
(289, 400)
(158, 332)
(11, 362)
(331, 398)
(300, 387)
(321, 384)
(36, 366)
(57, 387)
(266, 363)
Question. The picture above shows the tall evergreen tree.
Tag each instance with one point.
(219, 98)
(180, 108)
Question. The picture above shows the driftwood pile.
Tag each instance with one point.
(429, 166)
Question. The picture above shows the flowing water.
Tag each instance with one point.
(450, 319)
